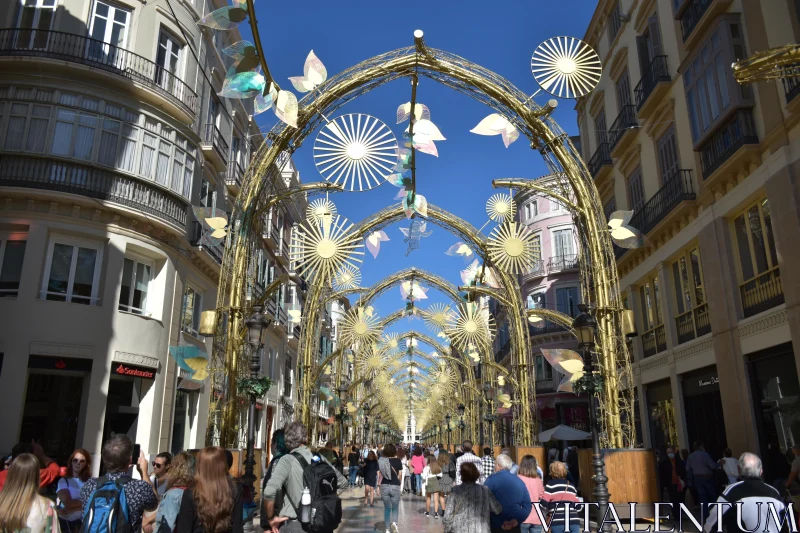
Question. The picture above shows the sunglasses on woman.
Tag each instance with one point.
(79, 461)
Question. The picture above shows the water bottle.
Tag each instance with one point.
(305, 506)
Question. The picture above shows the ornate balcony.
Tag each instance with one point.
(763, 292)
(234, 177)
(214, 146)
(215, 252)
(677, 188)
(791, 86)
(112, 59)
(131, 193)
(536, 271)
(693, 323)
(696, 15)
(561, 263)
(622, 131)
(654, 82)
(654, 341)
(738, 130)
(691, 16)
(600, 163)
(546, 327)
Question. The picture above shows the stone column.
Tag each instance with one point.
(680, 411)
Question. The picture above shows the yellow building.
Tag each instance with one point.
(710, 170)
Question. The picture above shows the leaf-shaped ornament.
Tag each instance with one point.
(243, 85)
(425, 130)
(459, 249)
(314, 74)
(374, 241)
(224, 18)
(286, 108)
(501, 380)
(497, 124)
(263, 102)
(295, 315)
(622, 233)
(428, 148)
(419, 205)
(351, 408)
(421, 112)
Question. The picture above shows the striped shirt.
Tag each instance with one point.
(469, 457)
(557, 493)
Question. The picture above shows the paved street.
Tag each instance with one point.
(361, 518)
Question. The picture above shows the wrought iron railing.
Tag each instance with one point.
(546, 327)
(655, 73)
(763, 292)
(791, 86)
(693, 323)
(212, 136)
(105, 56)
(654, 341)
(560, 263)
(677, 188)
(625, 121)
(600, 158)
(691, 16)
(234, 174)
(73, 178)
(739, 129)
(215, 252)
(536, 270)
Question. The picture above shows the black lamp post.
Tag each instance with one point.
(255, 327)
(343, 389)
(585, 328)
(461, 408)
(447, 418)
(488, 394)
(367, 409)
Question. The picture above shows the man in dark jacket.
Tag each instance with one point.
(512, 494)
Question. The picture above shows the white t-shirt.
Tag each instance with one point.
(731, 467)
(74, 486)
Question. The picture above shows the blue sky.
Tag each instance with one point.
(500, 36)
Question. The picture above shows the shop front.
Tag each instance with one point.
(661, 413)
(703, 410)
(776, 401)
(127, 387)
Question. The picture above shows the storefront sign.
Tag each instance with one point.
(134, 371)
(45, 362)
(700, 381)
(713, 380)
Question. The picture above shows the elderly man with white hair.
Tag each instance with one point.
(512, 494)
(762, 507)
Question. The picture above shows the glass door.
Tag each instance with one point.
(108, 31)
(167, 59)
(35, 21)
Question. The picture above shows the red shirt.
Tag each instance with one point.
(47, 475)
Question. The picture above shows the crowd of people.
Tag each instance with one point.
(195, 493)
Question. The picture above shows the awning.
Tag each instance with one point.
(562, 432)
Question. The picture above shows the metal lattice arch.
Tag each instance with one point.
(599, 279)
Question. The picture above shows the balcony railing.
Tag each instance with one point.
(762, 292)
(676, 189)
(693, 323)
(545, 384)
(546, 327)
(654, 341)
(791, 86)
(54, 175)
(105, 56)
(601, 158)
(536, 270)
(739, 129)
(656, 73)
(560, 263)
(625, 121)
(214, 137)
(692, 15)
(234, 174)
(214, 251)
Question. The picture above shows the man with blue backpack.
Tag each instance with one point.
(115, 503)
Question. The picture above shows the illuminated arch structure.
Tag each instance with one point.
(598, 267)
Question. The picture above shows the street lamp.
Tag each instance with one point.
(461, 425)
(255, 327)
(585, 327)
(367, 409)
(447, 418)
(344, 388)
(488, 393)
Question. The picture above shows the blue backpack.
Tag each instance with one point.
(107, 510)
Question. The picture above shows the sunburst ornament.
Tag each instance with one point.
(347, 278)
(501, 207)
(355, 150)
(566, 67)
(472, 326)
(437, 316)
(320, 209)
(322, 249)
(390, 343)
(360, 325)
(512, 247)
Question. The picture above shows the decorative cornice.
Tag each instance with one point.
(764, 323)
(655, 362)
(136, 359)
(694, 349)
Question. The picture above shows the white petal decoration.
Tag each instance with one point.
(425, 130)
(314, 74)
(459, 248)
(496, 124)
(374, 241)
(623, 234)
(421, 111)
(286, 108)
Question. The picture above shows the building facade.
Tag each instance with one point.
(111, 130)
(709, 169)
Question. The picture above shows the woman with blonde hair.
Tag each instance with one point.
(558, 493)
(179, 478)
(212, 503)
(21, 506)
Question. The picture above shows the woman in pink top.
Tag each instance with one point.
(418, 465)
(530, 476)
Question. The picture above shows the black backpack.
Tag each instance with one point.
(320, 479)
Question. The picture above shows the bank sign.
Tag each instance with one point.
(123, 369)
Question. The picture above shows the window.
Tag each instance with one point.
(614, 22)
(567, 300)
(287, 377)
(668, 155)
(709, 85)
(35, 15)
(687, 275)
(562, 243)
(600, 127)
(651, 304)
(27, 127)
(109, 30)
(543, 369)
(649, 44)
(635, 190)
(610, 207)
(12, 253)
(192, 307)
(72, 273)
(537, 300)
(167, 59)
(74, 134)
(755, 242)
(623, 90)
(273, 357)
(136, 276)
(528, 211)
(531, 208)
(554, 205)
